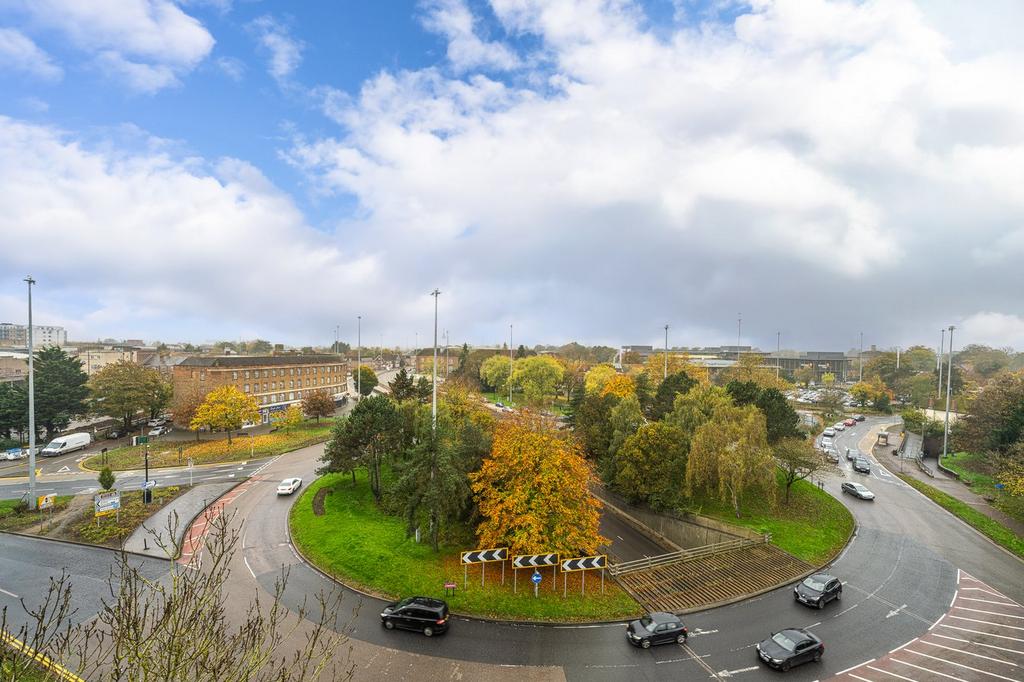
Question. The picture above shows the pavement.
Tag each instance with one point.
(161, 534)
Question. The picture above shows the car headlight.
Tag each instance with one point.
(777, 661)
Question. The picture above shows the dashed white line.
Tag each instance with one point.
(845, 610)
(9, 594)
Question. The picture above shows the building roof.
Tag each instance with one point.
(258, 360)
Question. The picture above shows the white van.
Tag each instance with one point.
(66, 444)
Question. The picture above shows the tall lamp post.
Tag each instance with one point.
(359, 357)
(665, 372)
(510, 364)
(433, 404)
(739, 329)
(778, 353)
(860, 359)
(938, 363)
(31, 406)
(949, 390)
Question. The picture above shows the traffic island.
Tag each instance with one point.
(359, 545)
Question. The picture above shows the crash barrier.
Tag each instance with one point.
(41, 659)
(686, 555)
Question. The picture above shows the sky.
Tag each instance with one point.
(585, 170)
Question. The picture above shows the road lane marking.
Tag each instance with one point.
(960, 665)
(969, 653)
(991, 613)
(953, 600)
(895, 612)
(9, 594)
(251, 572)
(902, 645)
(845, 610)
(982, 632)
(989, 601)
(968, 641)
(929, 670)
(987, 622)
(858, 677)
(886, 672)
(730, 673)
(854, 667)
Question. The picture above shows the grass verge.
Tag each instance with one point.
(812, 526)
(242, 447)
(360, 545)
(14, 515)
(992, 529)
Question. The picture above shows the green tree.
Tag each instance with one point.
(367, 438)
(123, 389)
(805, 374)
(593, 424)
(424, 390)
(367, 380)
(258, 346)
(781, 419)
(106, 479)
(319, 403)
(697, 406)
(798, 459)
(598, 376)
(159, 393)
(225, 409)
(625, 418)
(13, 409)
(494, 372)
(288, 419)
(521, 352)
(576, 397)
(402, 386)
(729, 454)
(664, 398)
(538, 377)
(644, 390)
(831, 399)
(984, 362)
(60, 389)
(651, 465)
(996, 421)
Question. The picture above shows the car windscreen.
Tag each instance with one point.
(782, 640)
(814, 583)
(647, 623)
(54, 445)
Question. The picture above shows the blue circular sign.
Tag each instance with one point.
(535, 577)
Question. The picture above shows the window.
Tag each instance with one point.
(247, 388)
(202, 375)
(307, 382)
(264, 386)
(266, 374)
(246, 374)
(234, 376)
(291, 383)
(291, 396)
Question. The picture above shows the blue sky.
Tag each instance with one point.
(586, 169)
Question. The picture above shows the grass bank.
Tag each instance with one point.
(15, 515)
(242, 447)
(813, 525)
(360, 545)
(992, 529)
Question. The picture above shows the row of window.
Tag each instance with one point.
(292, 371)
(279, 385)
(280, 397)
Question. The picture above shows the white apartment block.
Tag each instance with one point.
(42, 335)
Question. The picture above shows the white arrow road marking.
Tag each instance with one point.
(699, 632)
(895, 611)
(730, 673)
(64, 470)
(9, 594)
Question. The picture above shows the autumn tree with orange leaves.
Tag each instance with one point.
(532, 492)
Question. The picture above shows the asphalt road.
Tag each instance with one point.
(899, 574)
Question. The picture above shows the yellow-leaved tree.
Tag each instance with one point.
(532, 492)
(597, 376)
(288, 419)
(677, 362)
(225, 409)
(729, 455)
(754, 368)
(620, 386)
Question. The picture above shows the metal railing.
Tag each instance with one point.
(685, 555)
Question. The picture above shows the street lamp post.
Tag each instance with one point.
(510, 364)
(359, 357)
(433, 405)
(778, 353)
(31, 406)
(446, 365)
(739, 329)
(860, 359)
(938, 362)
(665, 373)
(949, 390)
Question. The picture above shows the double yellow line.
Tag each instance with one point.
(42, 659)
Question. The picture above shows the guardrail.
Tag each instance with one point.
(41, 659)
(685, 555)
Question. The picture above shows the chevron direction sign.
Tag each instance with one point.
(534, 560)
(585, 562)
(483, 556)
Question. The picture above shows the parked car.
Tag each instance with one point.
(499, 404)
(288, 486)
(113, 434)
(818, 590)
(861, 465)
(839, 426)
(857, 490)
(852, 454)
(790, 647)
(833, 455)
(859, 417)
(160, 430)
(159, 421)
(656, 628)
(14, 454)
(829, 432)
(850, 421)
(827, 443)
(66, 444)
(422, 614)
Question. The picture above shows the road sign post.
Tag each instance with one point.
(483, 557)
(584, 563)
(533, 561)
(536, 581)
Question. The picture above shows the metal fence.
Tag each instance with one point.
(685, 555)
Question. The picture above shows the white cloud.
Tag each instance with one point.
(19, 53)
(285, 51)
(466, 50)
(990, 328)
(808, 153)
(149, 43)
(233, 68)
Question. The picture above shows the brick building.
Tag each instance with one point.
(275, 381)
(424, 358)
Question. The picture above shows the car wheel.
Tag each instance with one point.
(681, 639)
(821, 603)
(817, 656)
(389, 625)
(839, 595)
(645, 643)
(785, 666)
(428, 631)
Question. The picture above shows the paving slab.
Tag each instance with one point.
(148, 538)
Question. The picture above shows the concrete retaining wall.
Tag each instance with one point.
(681, 531)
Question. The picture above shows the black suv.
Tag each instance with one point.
(423, 614)
(861, 465)
(790, 647)
(818, 590)
(656, 628)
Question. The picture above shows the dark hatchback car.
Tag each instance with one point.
(656, 628)
(422, 614)
(818, 590)
(787, 648)
(862, 466)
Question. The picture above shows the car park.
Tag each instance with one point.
(857, 490)
(818, 589)
(656, 628)
(159, 421)
(787, 648)
(861, 465)
(421, 614)
(289, 486)
(829, 432)
(850, 421)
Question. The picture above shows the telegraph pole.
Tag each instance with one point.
(666, 353)
(510, 364)
(433, 406)
(31, 406)
(949, 390)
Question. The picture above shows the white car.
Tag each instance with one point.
(288, 486)
(14, 453)
(160, 430)
(826, 443)
(840, 426)
(159, 421)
